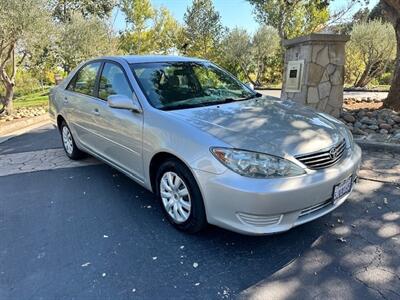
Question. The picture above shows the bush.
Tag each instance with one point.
(385, 79)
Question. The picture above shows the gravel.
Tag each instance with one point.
(381, 124)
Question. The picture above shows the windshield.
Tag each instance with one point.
(178, 85)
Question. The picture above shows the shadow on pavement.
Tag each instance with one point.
(46, 137)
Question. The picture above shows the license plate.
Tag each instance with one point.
(342, 188)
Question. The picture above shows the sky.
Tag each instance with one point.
(234, 13)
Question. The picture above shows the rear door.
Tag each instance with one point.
(80, 98)
(119, 131)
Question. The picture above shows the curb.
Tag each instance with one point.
(24, 125)
(6, 129)
(368, 145)
(366, 90)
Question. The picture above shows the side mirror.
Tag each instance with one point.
(250, 85)
(124, 102)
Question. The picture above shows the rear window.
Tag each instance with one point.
(84, 81)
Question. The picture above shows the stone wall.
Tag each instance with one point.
(323, 76)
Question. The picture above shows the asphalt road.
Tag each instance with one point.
(89, 232)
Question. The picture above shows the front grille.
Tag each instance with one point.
(323, 159)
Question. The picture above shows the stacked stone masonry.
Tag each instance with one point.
(323, 76)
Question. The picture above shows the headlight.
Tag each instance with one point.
(256, 165)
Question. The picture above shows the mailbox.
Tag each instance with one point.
(294, 75)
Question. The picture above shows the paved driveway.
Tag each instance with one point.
(85, 231)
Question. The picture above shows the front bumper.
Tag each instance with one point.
(265, 206)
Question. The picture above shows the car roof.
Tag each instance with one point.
(152, 58)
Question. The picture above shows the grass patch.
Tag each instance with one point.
(35, 99)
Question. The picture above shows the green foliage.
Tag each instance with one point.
(265, 44)
(64, 9)
(166, 31)
(385, 78)
(81, 39)
(203, 30)
(237, 50)
(292, 18)
(38, 98)
(149, 30)
(23, 28)
(372, 47)
(249, 57)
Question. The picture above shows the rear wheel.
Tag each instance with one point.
(180, 197)
(69, 145)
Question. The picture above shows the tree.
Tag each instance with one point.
(292, 18)
(391, 9)
(166, 31)
(236, 47)
(203, 30)
(370, 49)
(83, 38)
(64, 9)
(248, 55)
(149, 30)
(23, 26)
(137, 37)
(265, 44)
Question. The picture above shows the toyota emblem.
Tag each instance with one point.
(333, 153)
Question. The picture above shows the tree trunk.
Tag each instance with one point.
(363, 80)
(246, 73)
(393, 99)
(8, 81)
(8, 98)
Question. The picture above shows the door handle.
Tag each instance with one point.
(65, 100)
(96, 112)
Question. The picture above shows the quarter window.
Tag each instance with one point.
(113, 81)
(84, 81)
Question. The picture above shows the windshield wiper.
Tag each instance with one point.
(181, 106)
(230, 99)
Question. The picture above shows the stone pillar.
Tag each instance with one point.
(321, 58)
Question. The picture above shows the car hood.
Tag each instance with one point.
(265, 125)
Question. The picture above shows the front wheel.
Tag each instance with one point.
(180, 197)
(69, 145)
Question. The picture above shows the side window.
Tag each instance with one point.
(113, 81)
(85, 80)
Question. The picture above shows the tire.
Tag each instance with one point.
(68, 143)
(195, 218)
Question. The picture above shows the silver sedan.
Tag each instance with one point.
(210, 147)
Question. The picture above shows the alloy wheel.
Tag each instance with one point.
(175, 197)
(67, 140)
